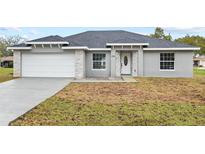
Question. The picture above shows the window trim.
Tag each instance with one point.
(166, 70)
(96, 69)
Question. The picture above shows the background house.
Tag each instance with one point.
(6, 61)
(199, 60)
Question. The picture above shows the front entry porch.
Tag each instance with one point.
(126, 62)
(136, 55)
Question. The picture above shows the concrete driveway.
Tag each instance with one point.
(20, 95)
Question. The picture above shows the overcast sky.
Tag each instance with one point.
(37, 32)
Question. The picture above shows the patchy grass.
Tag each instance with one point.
(6, 74)
(151, 101)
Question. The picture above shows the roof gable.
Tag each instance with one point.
(52, 38)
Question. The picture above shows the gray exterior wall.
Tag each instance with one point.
(97, 73)
(183, 64)
(150, 61)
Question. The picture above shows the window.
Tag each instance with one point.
(167, 61)
(125, 60)
(99, 61)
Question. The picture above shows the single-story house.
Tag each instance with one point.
(6, 61)
(102, 54)
(199, 60)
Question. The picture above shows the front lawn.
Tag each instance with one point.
(151, 101)
(6, 74)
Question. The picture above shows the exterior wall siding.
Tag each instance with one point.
(17, 64)
(183, 64)
(97, 73)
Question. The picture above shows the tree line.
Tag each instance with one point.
(197, 41)
(159, 33)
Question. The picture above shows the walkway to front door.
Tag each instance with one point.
(125, 63)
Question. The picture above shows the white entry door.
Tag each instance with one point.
(126, 63)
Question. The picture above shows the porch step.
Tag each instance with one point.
(128, 79)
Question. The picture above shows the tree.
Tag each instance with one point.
(159, 33)
(168, 37)
(197, 41)
(8, 41)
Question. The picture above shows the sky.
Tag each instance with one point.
(30, 33)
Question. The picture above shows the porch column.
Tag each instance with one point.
(113, 63)
(134, 63)
(118, 64)
(79, 64)
(140, 62)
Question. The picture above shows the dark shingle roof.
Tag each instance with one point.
(98, 39)
(52, 38)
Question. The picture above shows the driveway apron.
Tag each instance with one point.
(20, 95)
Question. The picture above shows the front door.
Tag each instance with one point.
(125, 63)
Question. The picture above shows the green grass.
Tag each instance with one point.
(199, 72)
(6, 74)
(150, 102)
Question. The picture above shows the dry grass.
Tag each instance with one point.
(151, 101)
(148, 89)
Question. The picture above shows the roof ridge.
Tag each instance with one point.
(104, 30)
(75, 34)
(92, 31)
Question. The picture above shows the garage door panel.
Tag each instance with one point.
(48, 65)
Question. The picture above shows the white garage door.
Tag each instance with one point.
(48, 64)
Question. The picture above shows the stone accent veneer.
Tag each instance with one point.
(17, 64)
(79, 64)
